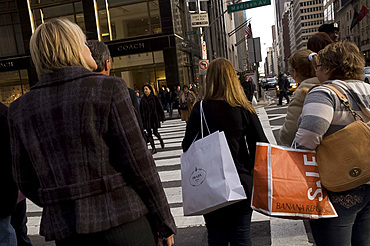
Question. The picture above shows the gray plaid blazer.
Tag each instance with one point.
(78, 152)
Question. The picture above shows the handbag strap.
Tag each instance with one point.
(344, 101)
(202, 116)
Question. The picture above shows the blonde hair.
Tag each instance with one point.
(56, 44)
(301, 63)
(222, 83)
(344, 60)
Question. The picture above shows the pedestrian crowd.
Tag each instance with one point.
(76, 144)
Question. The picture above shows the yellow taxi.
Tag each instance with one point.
(293, 85)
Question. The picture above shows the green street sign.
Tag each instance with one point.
(191, 32)
(247, 5)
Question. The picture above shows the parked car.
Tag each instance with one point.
(269, 83)
(367, 75)
(292, 86)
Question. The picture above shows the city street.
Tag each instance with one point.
(191, 230)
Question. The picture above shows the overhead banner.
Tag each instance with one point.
(254, 50)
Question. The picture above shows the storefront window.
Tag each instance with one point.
(10, 30)
(13, 84)
(72, 11)
(140, 69)
(124, 19)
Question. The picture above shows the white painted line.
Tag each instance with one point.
(174, 195)
(167, 162)
(170, 175)
(266, 125)
(168, 153)
(186, 221)
(31, 207)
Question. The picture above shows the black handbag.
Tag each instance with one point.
(183, 106)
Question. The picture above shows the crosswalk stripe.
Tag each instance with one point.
(167, 162)
(170, 175)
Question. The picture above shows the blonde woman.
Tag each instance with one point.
(303, 73)
(227, 109)
(76, 152)
(341, 65)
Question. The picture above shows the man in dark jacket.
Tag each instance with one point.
(248, 87)
(8, 188)
(283, 87)
(176, 95)
(101, 54)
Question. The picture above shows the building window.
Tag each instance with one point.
(43, 10)
(120, 20)
(10, 30)
(140, 69)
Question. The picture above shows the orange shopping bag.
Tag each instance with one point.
(287, 184)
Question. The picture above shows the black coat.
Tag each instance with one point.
(8, 188)
(169, 97)
(242, 130)
(283, 83)
(151, 112)
(248, 88)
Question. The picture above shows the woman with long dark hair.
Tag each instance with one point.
(152, 115)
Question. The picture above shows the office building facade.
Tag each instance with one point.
(149, 40)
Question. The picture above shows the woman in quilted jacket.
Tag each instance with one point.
(303, 73)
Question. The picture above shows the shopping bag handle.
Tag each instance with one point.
(202, 116)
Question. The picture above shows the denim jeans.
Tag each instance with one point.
(7, 233)
(234, 228)
(352, 226)
(19, 223)
(135, 233)
(169, 107)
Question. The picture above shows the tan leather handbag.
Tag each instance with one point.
(344, 156)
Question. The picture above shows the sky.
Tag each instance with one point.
(261, 22)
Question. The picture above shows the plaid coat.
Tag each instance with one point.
(8, 188)
(76, 153)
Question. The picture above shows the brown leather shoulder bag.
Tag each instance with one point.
(344, 156)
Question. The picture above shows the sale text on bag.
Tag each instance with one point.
(287, 184)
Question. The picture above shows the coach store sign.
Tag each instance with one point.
(129, 48)
(138, 46)
(14, 64)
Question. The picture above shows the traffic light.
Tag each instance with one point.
(203, 5)
(192, 6)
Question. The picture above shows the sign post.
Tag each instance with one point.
(203, 66)
(204, 50)
(247, 5)
(199, 20)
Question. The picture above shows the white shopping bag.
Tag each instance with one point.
(254, 101)
(208, 175)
